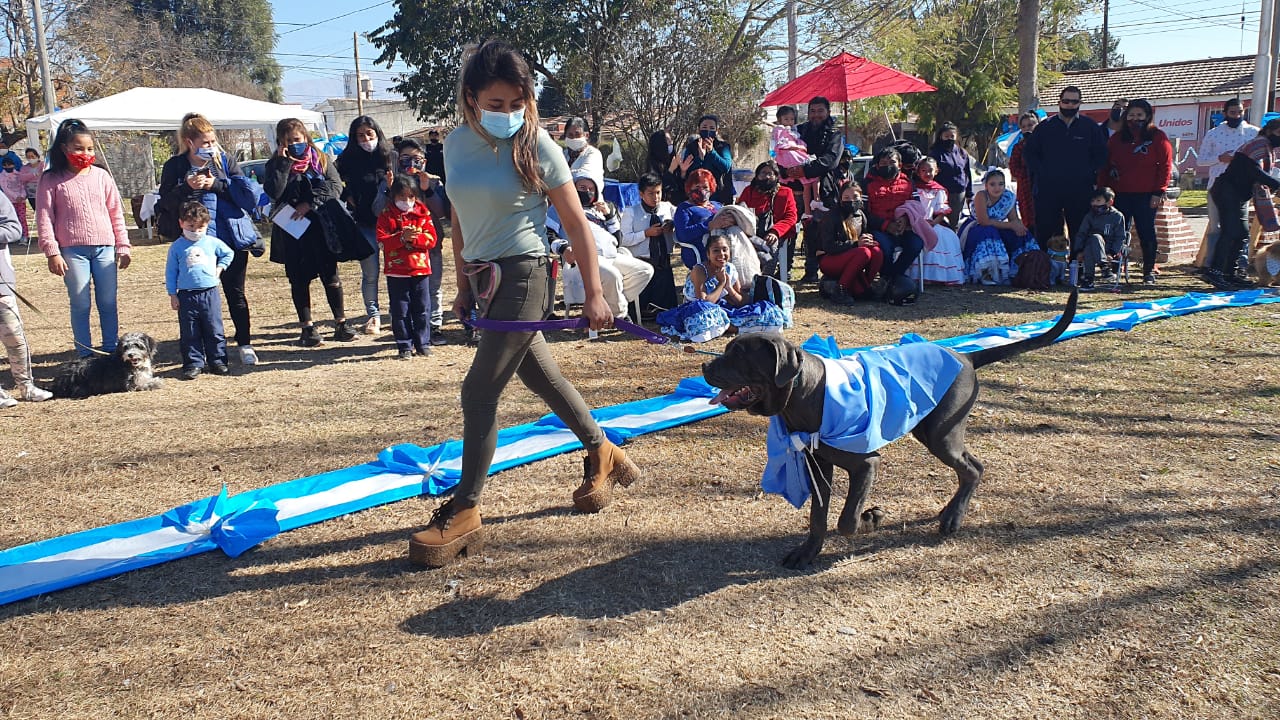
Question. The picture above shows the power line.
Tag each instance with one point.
(335, 17)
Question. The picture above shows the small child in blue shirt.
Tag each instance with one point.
(196, 261)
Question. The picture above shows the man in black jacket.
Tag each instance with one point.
(1250, 166)
(825, 145)
(1063, 156)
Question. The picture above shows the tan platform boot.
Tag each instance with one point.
(452, 531)
(602, 469)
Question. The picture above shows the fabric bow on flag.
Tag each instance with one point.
(410, 459)
(233, 524)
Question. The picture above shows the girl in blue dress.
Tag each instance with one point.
(995, 236)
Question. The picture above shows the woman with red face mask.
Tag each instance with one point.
(82, 233)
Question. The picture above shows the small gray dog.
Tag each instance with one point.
(127, 368)
(765, 375)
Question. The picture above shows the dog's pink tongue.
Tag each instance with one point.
(719, 398)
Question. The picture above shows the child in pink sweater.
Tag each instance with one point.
(790, 151)
(13, 187)
(81, 223)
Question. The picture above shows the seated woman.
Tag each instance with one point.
(943, 262)
(622, 276)
(696, 217)
(848, 255)
(775, 209)
(995, 236)
(712, 286)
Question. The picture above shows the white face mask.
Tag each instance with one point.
(192, 235)
(368, 145)
(575, 144)
(404, 205)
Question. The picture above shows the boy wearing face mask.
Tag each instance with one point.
(407, 236)
(196, 261)
(887, 188)
(1101, 237)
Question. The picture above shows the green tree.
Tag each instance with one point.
(1085, 51)
(234, 36)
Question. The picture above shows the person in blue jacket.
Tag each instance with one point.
(954, 171)
(713, 155)
(1063, 156)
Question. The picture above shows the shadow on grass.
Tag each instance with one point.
(666, 574)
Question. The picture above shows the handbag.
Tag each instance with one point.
(341, 234)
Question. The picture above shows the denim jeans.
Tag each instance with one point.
(437, 276)
(200, 333)
(908, 246)
(369, 269)
(96, 264)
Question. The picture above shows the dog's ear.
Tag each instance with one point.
(151, 345)
(786, 363)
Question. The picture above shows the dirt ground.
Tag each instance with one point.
(1122, 558)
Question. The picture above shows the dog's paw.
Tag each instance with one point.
(803, 556)
(949, 520)
(872, 517)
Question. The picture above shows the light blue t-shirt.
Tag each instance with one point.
(194, 265)
(498, 217)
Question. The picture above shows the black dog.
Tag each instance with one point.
(766, 375)
(126, 369)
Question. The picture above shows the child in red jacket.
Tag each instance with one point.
(407, 235)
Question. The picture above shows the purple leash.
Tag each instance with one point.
(568, 324)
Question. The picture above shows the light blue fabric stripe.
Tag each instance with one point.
(406, 471)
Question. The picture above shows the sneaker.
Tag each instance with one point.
(1241, 281)
(248, 356)
(219, 369)
(438, 338)
(310, 338)
(190, 373)
(1148, 279)
(6, 401)
(809, 278)
(372, 326)
(423, 352)
(1218, 280)
(31, 393)
(1105, 270)
(342, 333)
(405, 354)
(452, 531)
(1086, 284)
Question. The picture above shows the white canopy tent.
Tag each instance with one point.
(161, 109)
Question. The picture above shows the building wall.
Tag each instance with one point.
(395, 117)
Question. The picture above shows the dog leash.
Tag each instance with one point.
(626, 326)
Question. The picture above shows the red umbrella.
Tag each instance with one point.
(845, 78)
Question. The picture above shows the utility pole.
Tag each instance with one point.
(355, 47)
(1263, 80)
(1028, 31)
(791, 40)
(1106, 34)
(43, 54)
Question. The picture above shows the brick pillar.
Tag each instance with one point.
(1176, 243)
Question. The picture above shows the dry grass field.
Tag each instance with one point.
(1122, 558)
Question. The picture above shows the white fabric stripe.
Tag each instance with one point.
(85, 559)
(344, 493)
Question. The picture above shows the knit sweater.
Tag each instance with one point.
(79, 209)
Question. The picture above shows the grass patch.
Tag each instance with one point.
(1119, 559)
(1193, 199)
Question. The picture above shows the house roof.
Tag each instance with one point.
(1208, 79)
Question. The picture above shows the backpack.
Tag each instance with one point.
(1033, 270)
(773, 290)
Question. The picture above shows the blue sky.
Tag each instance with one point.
(314, 45)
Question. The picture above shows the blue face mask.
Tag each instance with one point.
(298, 150)
(502, 125)
(205, 153)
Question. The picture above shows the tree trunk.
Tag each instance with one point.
(1028, 31)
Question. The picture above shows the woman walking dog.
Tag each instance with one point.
(502, 171)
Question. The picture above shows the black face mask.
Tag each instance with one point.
(1234, 122)
(947, 145)
(1068, 112)
(849, 207)
(888, 172)
(768, 185)
(585, 198)
(1115, 114)
(1137, 128)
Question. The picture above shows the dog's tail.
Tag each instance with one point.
(996, 354)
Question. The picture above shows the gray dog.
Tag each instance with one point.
(126, 369)
(765, 375)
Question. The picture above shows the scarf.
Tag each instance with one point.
(311, 161)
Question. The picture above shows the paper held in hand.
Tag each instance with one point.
(284, 218)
